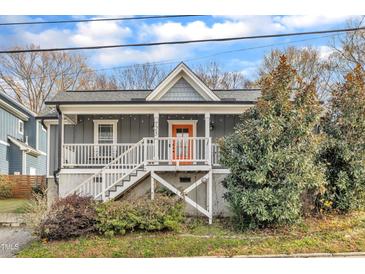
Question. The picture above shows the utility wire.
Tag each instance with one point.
(96, 20)
(175, 61)
(185, 41)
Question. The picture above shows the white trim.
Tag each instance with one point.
(13, 110)
(20, 122)
(4, 143)
(182, 71)
(182, 122)
(36, 134)
(153, 108)
(98, 122)
(18, 104)
(24, 163)
(221, 171)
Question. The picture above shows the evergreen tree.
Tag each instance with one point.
(344, 152)
(272, 152)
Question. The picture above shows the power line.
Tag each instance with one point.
(185, 41)
(175, 61)
(96, 20)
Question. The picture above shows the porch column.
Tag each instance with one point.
(156, 118)
(207, 125)
(207, 135)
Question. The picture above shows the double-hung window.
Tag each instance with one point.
(105, 135)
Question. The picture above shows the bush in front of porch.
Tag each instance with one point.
(75, 216)
(120, 217)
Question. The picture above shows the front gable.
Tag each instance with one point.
(182, 85)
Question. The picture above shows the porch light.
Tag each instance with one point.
(211, 126)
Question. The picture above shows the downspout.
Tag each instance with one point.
(56, 172)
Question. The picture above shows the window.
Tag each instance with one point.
(105, 131)
(105, 134)
(21, 127)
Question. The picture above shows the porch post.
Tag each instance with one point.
(207, 125)
(208, 141)
(210, 196)
(156, 118)
(153, 183)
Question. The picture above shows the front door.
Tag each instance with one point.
(182, 147)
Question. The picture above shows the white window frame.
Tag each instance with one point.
(114, 123)
(182, 122)
(20, 122)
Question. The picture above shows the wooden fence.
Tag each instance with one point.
(24, 184)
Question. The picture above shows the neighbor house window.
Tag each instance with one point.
(21, 127)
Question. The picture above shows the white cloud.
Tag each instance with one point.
(231, 26)
(85, 34)
(306, 21)
(325, 52)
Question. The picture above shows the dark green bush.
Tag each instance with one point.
(120, 217)
(6, 187)
(272, 153)
(68, 217)
(344, 150)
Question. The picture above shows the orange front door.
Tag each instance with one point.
(182, 147)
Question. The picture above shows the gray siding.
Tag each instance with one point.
(42, 138)
(130, 128)
(182, 91)
(223, 125)
(4, 159)
(15, 159)
(39, 163)
(9, 126)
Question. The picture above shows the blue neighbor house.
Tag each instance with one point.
(23, 140)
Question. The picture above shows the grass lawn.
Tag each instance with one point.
(330, 234)
(13, 205)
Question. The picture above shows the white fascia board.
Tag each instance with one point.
(13, 110)
(182, 71)
(157, 108)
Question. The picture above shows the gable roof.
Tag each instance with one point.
(15, 107)
(182, 71)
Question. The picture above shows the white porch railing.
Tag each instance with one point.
(80, 155)
(173, 150)
(157, 151)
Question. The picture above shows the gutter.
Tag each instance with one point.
(56, 172)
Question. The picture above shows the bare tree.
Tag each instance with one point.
(307, 62)
(32, 77)
(349, 49)
(145, 76)
(215, 78)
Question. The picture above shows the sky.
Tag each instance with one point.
(244, 56)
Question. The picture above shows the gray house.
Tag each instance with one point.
(124, 144)
(23, 140)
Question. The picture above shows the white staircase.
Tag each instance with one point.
(117, 176)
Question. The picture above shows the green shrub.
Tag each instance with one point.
(120, 217)
(6, 187)
(68, 217)
(272, 153)
(344, 151)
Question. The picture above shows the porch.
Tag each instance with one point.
(162, 153)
